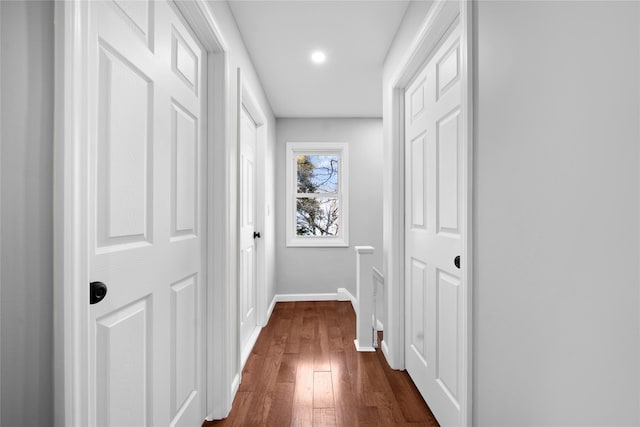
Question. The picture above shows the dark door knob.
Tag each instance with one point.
(97, 292)
(456, 261)
(256, 235)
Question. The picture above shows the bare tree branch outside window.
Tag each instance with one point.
(317, 203)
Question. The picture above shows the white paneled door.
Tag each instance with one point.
(146, 215)
(248, 291)
(433, 305)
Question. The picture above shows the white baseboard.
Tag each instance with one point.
(385, 351)
(345, 295)
(270, 309)
(363, 348)
(235, 385)
(305, 297)
(246, 351)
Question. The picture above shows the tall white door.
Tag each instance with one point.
(248, 318)
(146, 215)
(433, 232)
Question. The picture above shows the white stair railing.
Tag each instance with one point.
(378, 283)
(365, 326)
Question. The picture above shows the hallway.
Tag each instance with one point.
(120, 164)
(304, 370)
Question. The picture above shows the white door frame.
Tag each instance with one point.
(247, 100)
(71, 278)
(436, 26)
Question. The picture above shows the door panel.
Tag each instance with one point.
(124, 143)
(248, 315)
(139, 14)
(184, 62)
(184, 171)
(183, 342)
(125, 379)
(448, 69)
(417, 99)
(418, 286)
(147, 195)
(432, 234)
(448, 143)
(418, 208)
(448, 328)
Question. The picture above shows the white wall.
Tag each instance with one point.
(323, 270)
(557, 213)
(27, 224)
(239, 58)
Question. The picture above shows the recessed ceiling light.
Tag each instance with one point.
(318, 57)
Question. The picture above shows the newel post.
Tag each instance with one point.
(364, 287)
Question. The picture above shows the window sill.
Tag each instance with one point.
(317, 244)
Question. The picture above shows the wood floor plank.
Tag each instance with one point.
(321, 361)
(293, 341)
(324, 417)
(344, 397)
(385, 409)
(302, 409)
(322, 390)
(287, 371)
(280, 413)
(251, 372)
(305, 371)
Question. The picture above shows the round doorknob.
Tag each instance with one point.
(97, 292)
(456, 261)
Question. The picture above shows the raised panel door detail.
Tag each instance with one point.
(123, 369)
(417, 100)
(184, 61)
(448, 295)
(248, 198)
(124, 181)
(137, 15)
(183, 343)
(247, 298)
(448, 70)
(418, 199)
(448, 143)
(185, 171)
(418, 291)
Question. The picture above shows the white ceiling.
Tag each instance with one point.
(280, 36)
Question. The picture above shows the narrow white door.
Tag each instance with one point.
(248, 320)
(146, 215)
(433, 232)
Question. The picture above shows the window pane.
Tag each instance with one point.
(317, 173)
(317, 217)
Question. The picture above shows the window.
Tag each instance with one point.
(317, 203)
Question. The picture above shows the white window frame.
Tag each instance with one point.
(318, 148)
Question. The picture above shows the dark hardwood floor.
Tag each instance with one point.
(304, 371)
